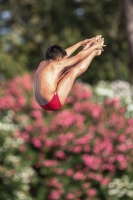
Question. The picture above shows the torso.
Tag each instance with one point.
(45, 82)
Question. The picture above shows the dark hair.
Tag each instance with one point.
(55, 52)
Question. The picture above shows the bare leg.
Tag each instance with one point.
(66, 83)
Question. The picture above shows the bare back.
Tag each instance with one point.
(45, 81)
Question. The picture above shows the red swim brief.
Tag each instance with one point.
(53, 104)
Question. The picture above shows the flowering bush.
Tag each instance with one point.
(79, 152)
(119, 90)
(16, 174)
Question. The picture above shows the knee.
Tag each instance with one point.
(73, 72)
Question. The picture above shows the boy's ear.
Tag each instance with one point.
(59, 58)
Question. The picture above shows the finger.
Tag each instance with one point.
(98, 37)
(100, 40)
(89, 40)
(86, 41)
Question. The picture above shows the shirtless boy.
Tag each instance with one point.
(55, 76)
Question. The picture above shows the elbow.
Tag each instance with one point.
(80, 55)
(67, 54)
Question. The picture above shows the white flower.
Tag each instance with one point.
(121, 89)
(13, 159)
(120, 187)
(8, 126)
(130, 108)
(21, 196)
(130, 193)
(11, 142)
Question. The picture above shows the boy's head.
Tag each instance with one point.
(55, 52)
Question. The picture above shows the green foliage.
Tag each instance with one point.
(10, 67)
(34, 25)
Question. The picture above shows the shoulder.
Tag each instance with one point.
(44, 62)
(49, 66)
(68, 61)
(56, 64)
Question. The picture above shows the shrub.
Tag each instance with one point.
(80, 152)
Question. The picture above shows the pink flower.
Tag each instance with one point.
(36, 142)
(69, 136)
(122, 110)
(44, 130)
(84, 139)
(27, 82)
(49, 143)
(21, 101)
(39, 123)
(116, 101)
(25, 136)
(130, 122)
(92, 192)
(105, 181)
(29, 128)
(67, 118)
(69, 172)
(22, 148)
(96, 110)
(54, 195)
(7, 102)
(86, 185)
(34, 104)
(17, 134)
(86, 148)
(96, 113)
(37, 114)
(37, 165)
(98, 177)
(54, 183)
(91, 175)
(122, 147)
(70, 196)
(62, 141)
(69, 100)
(60, 154)
(110, 167)
(113, 101)
(81, 91)
(50, 163)
(111, 159)
(122, 160)
(79, 175)
(92, 162)
(77, 149)
(59, 171)
(122, 138)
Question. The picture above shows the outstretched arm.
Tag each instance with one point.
(64, 63)
(73, 48)
(84, 53)
(85, 64)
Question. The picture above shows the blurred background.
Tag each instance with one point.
(84, 151)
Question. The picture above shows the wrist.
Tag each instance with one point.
(94, 53)
(80, 43)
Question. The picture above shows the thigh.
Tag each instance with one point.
(65, 85)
